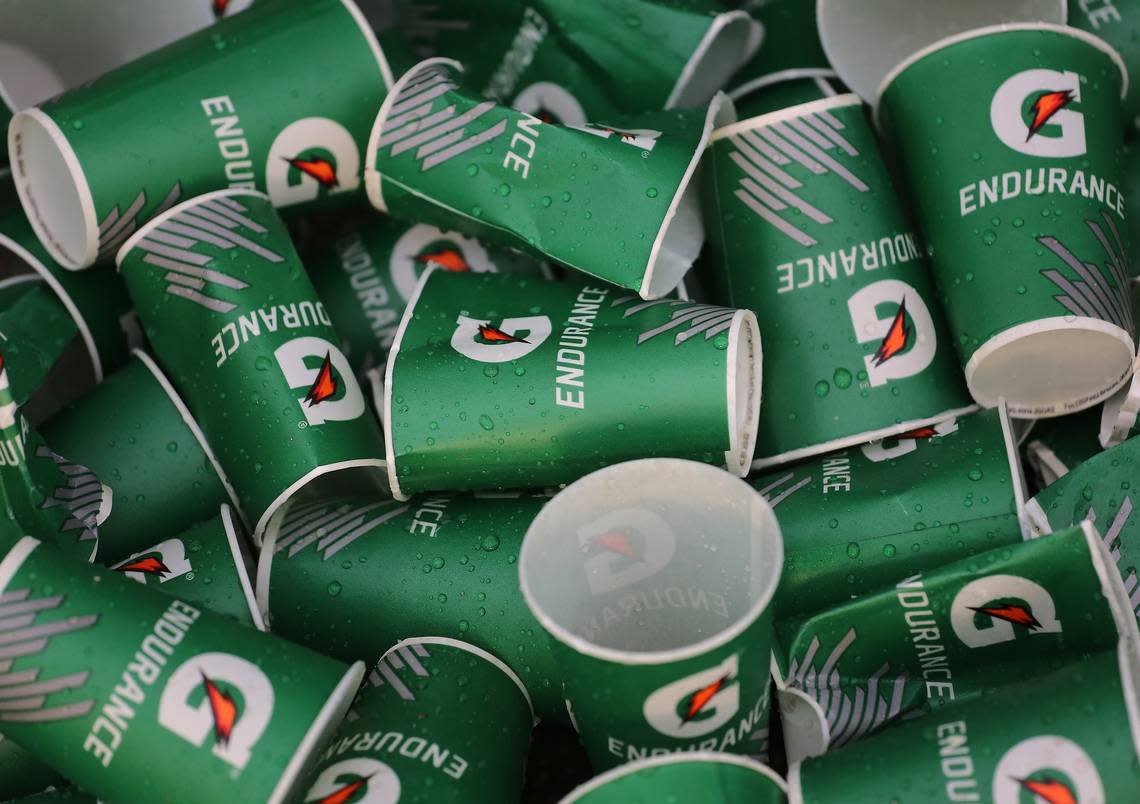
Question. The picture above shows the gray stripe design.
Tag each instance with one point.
(849, 717)
(171, 247)
(394, 681)
(115, 228)
(1090, 294)
(352, 535)
(697, 318)
(767, 189)
(779, 498)
(43, 715)
(80, 496)
(438, 134)
(349, 516)
(820, 124)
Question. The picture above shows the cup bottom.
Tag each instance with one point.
(1051, 367)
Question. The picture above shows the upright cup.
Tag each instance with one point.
(654, 579)
(280, 98)
(1011, 140)
(704, 776)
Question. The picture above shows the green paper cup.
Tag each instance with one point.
(955, 634)
(1099, 491)
(205, 564)
(132, 694)
(49, 366)
(236, 322)
(703, 776)
(1031, 741)
(349, 577)
(614, 199)
(860, 519)
(1010, 137)
(247, 103)
(135, 432)
(813, 238)
(863, 41)
(437, 720)
(504, 382)
(568, 62)
(658, 610)
(42, 492)
(96, 300)
(781, 90)
(366, 275)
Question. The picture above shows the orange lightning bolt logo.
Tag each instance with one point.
(325, 384)
(448, 259)
(701, 698)
(1047, 105)
(615, 541)
(896, 338)
(150, 565)
(220, 7)
(223, 708)
(495, 335)
(1049, 790)
(343, 794)
(1011, 614)
(318, 167)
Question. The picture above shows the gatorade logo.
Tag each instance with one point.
(331, 392)
(906, 443)
(311, 157)
(991, 610)
(624, 547)
(905, 336)
(550, 103)
(165, 561)
(222, 695)
(361, 780)
(1047, 769)
(643, 138)
(510, 339)
(697, 704)
(423, 246)
(1030, 113)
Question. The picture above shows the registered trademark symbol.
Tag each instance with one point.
(302, 425)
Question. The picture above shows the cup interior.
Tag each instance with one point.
(651, 561)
